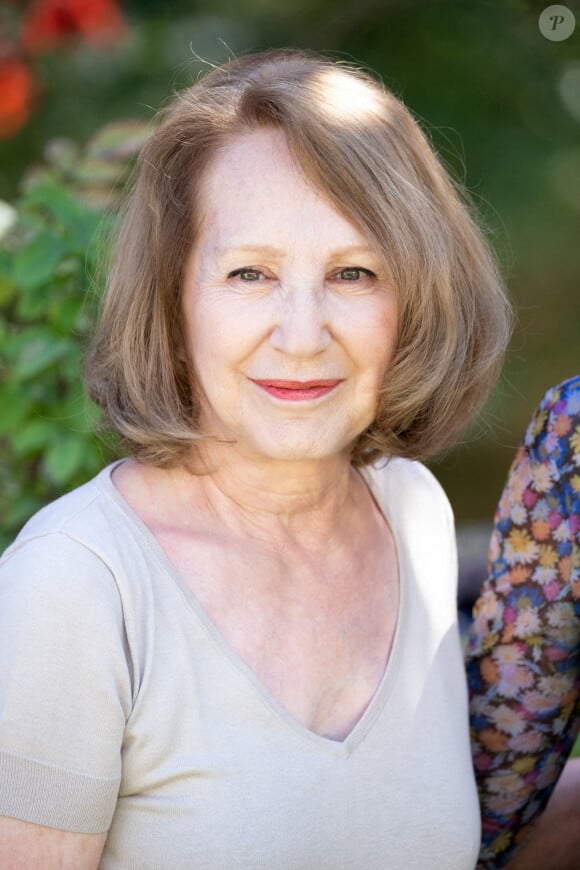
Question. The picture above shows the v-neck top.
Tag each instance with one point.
(123, 708)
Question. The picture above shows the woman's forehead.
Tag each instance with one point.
(255, 193)
(253, 160)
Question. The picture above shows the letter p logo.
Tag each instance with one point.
(557, 23)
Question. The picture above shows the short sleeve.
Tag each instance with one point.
(65, 685)
(523, 658)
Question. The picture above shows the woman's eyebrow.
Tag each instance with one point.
(353, 251)
(229, 250)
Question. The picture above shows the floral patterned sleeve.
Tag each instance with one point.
(523, 652)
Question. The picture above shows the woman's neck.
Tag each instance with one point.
(277, 504)
(278, 500)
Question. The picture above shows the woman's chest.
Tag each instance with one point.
(315, 635)
(217, 774)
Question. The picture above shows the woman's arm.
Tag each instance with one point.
(523, 657)
(555, 841)
(24, 845)
(65, 689)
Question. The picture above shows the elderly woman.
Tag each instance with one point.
(238, 647)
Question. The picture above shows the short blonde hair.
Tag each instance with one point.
(361, 147)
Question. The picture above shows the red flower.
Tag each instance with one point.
(51, 22)
(17, 91)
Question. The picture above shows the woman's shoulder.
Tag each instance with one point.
(564, 397)
(408, 482)
(413, 502)
(554, 430)
(56, 572)
(547, 463)
(82, 559)
(82, 519)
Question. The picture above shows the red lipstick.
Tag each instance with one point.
(298, 391)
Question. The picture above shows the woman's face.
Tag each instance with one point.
(280, 287)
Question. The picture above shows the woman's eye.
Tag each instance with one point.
(248, 274)
(354, 274)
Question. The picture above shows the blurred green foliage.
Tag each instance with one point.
(500, 103)
(50, 266)
(46, 440)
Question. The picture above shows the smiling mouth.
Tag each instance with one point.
(298, 391)
(297, 385)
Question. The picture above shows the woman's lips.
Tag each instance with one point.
(298, 391)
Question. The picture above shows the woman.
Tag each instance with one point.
(238, 647)
(524, 649)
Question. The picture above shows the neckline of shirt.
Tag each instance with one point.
(340, 748)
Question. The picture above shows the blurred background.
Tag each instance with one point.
(80, 81)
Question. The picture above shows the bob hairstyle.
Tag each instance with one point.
(362, 149)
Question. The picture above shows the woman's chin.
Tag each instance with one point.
(297, 446)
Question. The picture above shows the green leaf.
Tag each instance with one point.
(57, 201)
(64, 314)
(14, 406)
(101, 172)
(36, 262)
(5, 260)
(31, 305)
(119, 140)
(64, 458)
(8, 290)
(40, 353)
(32, 437)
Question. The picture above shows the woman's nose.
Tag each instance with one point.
(301, 327)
